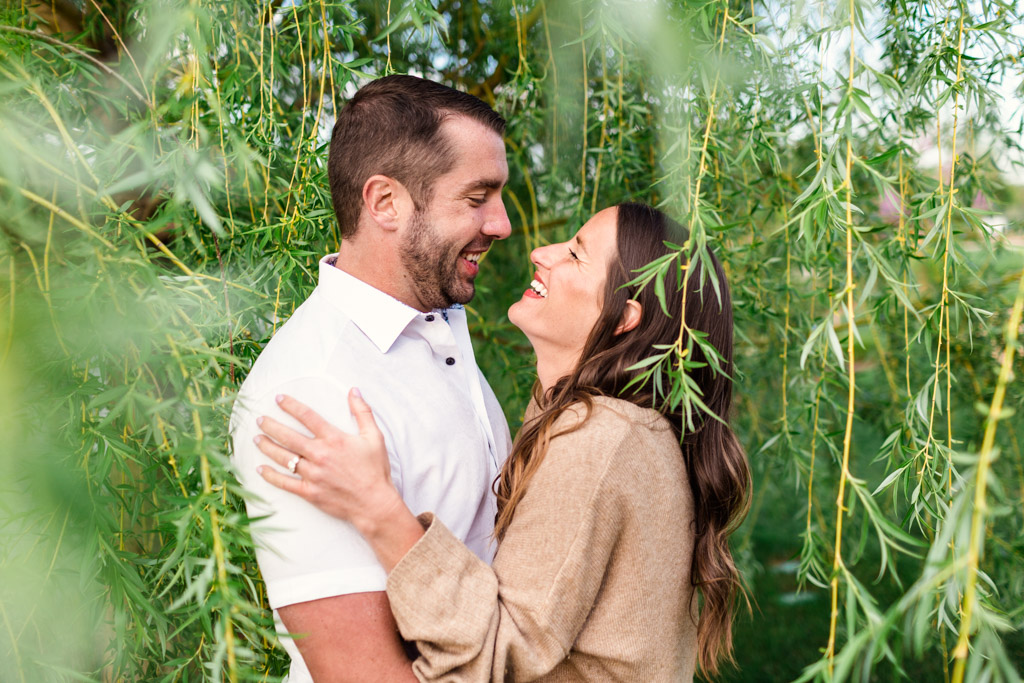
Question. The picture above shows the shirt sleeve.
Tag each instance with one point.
(303, 553)
(519, 619)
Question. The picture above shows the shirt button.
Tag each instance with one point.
(449, 361)
(429, 318)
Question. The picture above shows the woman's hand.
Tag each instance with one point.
(348, 476)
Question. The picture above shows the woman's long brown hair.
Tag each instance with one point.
(716, 464)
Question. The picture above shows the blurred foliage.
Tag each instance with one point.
(165, 203)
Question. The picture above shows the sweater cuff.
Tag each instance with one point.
(437, 588)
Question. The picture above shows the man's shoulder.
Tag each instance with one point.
(304, 350)
(303, 345)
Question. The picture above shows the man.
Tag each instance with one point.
(416, 172)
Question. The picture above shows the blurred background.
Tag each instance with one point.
(857, 167)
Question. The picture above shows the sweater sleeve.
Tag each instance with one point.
(518, 619)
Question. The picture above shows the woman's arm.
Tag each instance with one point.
(472, 622)
(346, 475)
(519, 619)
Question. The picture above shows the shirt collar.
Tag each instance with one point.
(381, 317)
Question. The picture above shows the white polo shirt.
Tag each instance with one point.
(445, 432)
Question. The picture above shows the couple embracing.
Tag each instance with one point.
(417, 541)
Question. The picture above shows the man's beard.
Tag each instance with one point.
(433, 265)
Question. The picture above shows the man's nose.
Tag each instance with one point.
(497, 224)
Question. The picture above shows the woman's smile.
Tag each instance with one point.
(537, 288)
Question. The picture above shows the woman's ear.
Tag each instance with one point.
(630, 317)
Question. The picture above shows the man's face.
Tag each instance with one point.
(443, 244)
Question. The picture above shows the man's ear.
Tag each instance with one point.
(630, 317)
(385, 200)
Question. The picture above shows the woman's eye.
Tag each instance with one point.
(574, 256)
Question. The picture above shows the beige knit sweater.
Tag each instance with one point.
(592, 579)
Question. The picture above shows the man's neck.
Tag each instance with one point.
(379, 266)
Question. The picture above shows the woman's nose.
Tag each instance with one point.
(541, 256)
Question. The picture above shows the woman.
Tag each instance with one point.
(605, 524)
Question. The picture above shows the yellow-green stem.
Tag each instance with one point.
(701, 168)
(844, 471)
(980, 507)
(586, 107)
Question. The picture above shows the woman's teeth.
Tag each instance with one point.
(539, 287)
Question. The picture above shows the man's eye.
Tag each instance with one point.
(574, 256)
(477, 201)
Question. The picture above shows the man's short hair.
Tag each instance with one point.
(392, 127)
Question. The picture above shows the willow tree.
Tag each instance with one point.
(852, 164)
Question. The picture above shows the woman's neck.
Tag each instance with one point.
(553, 365)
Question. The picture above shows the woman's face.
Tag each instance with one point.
(564, 300)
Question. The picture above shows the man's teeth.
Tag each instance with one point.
(472, 258)
(539, 287)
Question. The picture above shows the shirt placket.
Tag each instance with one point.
(434, 327)
(439, 337)
(471, 374)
